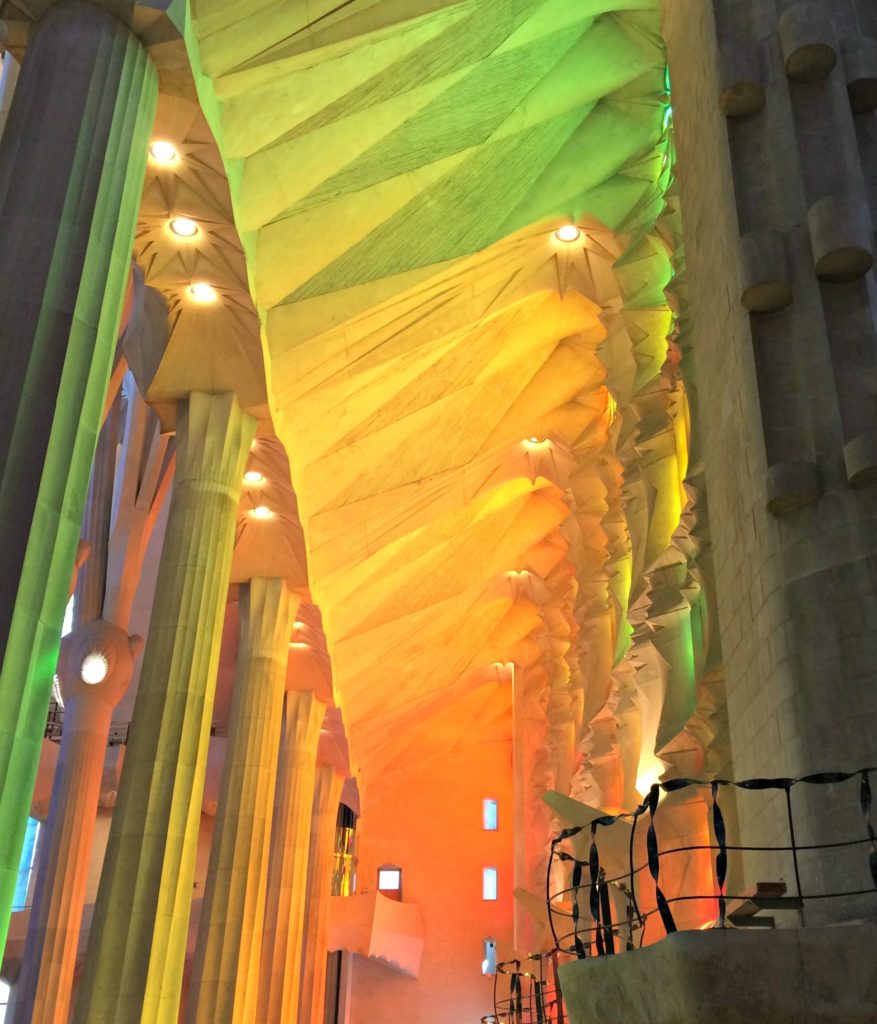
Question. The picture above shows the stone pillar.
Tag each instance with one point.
(327, 793)
(225, 974)
(787, 411)
(531, 815)
(134, 966)
(72, 163)
(279, 980)
(91, 581)
(42, 992)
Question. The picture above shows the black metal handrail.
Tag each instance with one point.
(533, 992)
(116, 737)
(599, 938)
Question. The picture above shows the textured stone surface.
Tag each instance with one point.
(796, 976)
(797, 596)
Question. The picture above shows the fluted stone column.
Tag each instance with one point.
(288, 867)
(134, 965)
(42, 992)
(91, 581)
(72, 163)
(327, 793)
(224, 986)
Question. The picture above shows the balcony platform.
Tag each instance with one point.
(823, 975)
(387, 931)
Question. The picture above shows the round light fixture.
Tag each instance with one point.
(94, 668)
(185, 227)
(536, 443)
(253, 476)
(202, 292)
(567, 233)
(163, 152)
(298, 625)
(262, 512)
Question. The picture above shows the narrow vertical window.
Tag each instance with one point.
(67, 627)
(25, 865)
(490, 815)
(488, 884)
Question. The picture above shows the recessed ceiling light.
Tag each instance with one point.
(253, 476)
(185, 227)
(567, 233)
(262, 512)
(299, 645)
(202, 292)
(536, 443)
(94, 668)
(298, 624)
(163, 152)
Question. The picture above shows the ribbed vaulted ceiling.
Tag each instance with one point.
(486, 437)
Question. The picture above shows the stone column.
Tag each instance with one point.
(134, 966)
(42, 992)
(785, 402)
(531, 815)
(288, 866)
(72, 163)
(225, 974)
(327, 793)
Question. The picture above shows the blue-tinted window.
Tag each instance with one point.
(491, 816)
(489, 884)
(25, 865)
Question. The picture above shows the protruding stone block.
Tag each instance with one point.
(860, 459)
(791, 485)
(740, 90)
(764, 272)
(840, 233)
(808, 42)
(860, 67)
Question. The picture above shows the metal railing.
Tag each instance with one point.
(590, 902)
(527, 991)
(119, 731)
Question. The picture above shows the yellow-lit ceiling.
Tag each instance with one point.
(486, 430)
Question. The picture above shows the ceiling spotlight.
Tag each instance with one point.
(567, 233)
(298, 624)
(185, 227)
(202, 292)
(94, 668)
(253, 476)
(261, 512)
(298, 644)
(536, 443)
(163, 152)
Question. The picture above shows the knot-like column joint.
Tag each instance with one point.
(808, 41)
(792, 485)
(741, 91)
(764, 271)
(840, 234)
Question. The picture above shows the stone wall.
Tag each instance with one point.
(786, 393)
